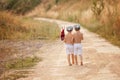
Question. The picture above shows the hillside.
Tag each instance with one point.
(100, 16)
(15, 26)
(18, 6)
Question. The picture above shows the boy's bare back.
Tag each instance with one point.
(78, 36)
(68, 38)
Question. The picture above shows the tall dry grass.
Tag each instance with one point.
(41, 29)
(103, 20)
(108, 22)
(10, 25)
(14, 27)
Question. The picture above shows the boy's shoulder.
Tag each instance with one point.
(78, 33)
(69, 35)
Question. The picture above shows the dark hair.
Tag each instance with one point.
(77, 27)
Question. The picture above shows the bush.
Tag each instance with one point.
(14, 27)
(10, 25)
(41, 29)
(19, 6)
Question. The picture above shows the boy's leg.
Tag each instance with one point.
(76, 62)
(68, 57)
(72, 55)
(81, 59)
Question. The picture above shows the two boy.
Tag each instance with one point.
(73, 44)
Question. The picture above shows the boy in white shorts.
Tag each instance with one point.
(69, 45)
(78, 37)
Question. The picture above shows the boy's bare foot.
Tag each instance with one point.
(76, 63)
(81, 63)
(70, 64)
(73, 63)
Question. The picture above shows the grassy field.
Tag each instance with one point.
(22, 63)
(19, 65)
(41, 29)
(14, 27)
(106, 31)
(18, 6)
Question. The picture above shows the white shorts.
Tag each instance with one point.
(77, 49)
(69, 48)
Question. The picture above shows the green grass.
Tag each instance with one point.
(16, 75)
(17, 66)
(22, 63)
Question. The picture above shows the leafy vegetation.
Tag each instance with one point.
(22, 63)
(10, 26)
(97, 7)
(108, 27)
(16, 75)
(17, 65)
(19, 6)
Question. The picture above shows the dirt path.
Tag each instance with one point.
(101, 60)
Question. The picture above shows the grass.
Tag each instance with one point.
(14, 27)
(109, 29)
(80, 11)
(22, 63)
(16, 65)
(16, 75)
(105, 31)
(19, 6)
(10, 25)
(41, 29)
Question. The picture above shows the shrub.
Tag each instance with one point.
(10, 25)
(19, 6)
(14, 27)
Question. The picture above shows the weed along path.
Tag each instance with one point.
(101, 60)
